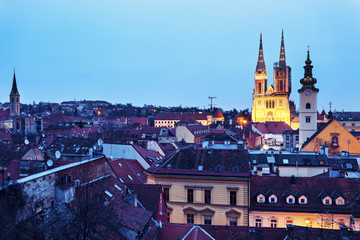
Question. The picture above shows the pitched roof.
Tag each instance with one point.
(213, 162)
(271, 127)
(218, 114)
(125, 168)
(312, 188)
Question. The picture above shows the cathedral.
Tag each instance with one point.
(271, 103)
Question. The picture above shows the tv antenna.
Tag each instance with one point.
(211, 102)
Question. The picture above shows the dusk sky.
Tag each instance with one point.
(173, 53)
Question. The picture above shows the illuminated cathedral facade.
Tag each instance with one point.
(271, 103)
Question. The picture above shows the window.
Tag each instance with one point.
(280, 102)
(327, 201)
(190, 195)
(190, 218)
(233, 221)
(273, 223)
(308, 223)
(258, 222)
(353, 124)
(344, 124)
(207, 219)
(303, 200)
(308, 106)
(340, 201)
(260, 198)
(168, 217)
(259, 103)
(232, 197)
(290, 199)
(307, 119)
(272, 199)
(207, 196)
(334, 141)
(166, 194)
(259, 87)
(288, 221)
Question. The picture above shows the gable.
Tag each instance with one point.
(333, 129)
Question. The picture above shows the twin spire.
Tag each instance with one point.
(260, 66)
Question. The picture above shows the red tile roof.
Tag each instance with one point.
(272, 127)
(125, 168)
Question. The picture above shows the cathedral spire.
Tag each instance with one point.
(260, 66)
(282, 60)
(14, 90)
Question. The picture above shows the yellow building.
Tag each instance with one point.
(309, 202)
(272, 103)
(169, 119)
(335, 137)
(205, 186)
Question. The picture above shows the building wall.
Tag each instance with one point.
(124, 151)
(170, 123)
(303, 219)
(183, 133)
(303, 171)
(280, 112)
(220, 198)
(343, 137)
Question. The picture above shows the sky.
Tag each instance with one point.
(176, 52)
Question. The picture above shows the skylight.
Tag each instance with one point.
(130, 177)
(108, 193)
(118, 188)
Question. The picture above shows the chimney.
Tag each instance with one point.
(252, 234)
(131, 199)
(290, 233)
(344, 232)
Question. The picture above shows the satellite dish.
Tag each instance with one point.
(57, 154)
(43, 135)
(49, 163)
(26, 141)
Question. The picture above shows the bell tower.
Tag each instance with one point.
(282, 73)
(308, 103)
(260, 72)
(14, 99)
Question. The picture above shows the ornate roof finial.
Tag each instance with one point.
(14, 90)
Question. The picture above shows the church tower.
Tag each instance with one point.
(282, 73)
(14, 99)
(308, 104)
(271, 103)
(260, 72)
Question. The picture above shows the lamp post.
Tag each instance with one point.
(348, 142)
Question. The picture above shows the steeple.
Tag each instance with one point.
(14, 99)
(260, 66)
(14, 90)
(282, 60)
(308, 82)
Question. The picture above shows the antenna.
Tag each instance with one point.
(211, 102)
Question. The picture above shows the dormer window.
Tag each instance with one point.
(273, 198)
(290, 199)
(303, 200)
(327, 200)
(340, 201)
(260, 198)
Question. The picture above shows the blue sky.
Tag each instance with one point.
(177, 52)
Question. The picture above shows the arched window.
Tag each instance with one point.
(334, 141)
(308, 106)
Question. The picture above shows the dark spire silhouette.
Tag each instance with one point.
(14, 90)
